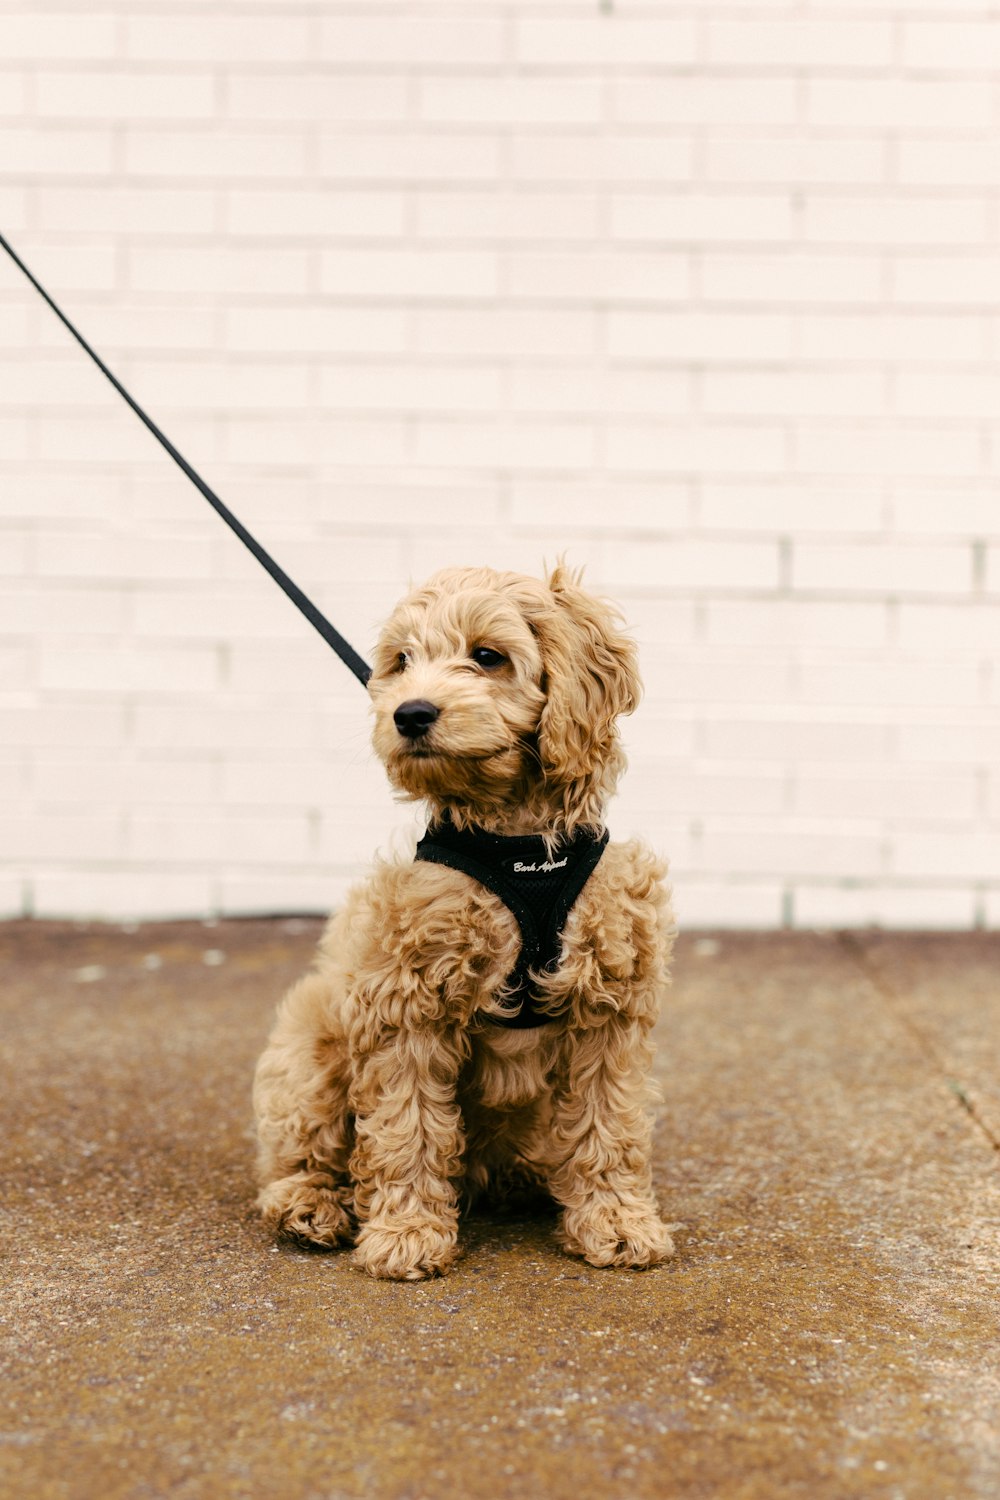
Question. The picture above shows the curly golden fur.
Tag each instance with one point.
(386, 1091)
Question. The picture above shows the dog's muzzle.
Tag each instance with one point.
(415, 717)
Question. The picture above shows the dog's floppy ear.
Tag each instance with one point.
(591, 677)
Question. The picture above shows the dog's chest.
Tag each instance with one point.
(537, 883)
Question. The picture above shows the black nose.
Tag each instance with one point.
(414, 718)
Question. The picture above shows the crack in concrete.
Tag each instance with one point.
(854, 948)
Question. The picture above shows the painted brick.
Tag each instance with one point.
(797, 159)
(307, 440)
(26, 609)
(70, 776)
(137, 325)
(888, 220)
(14, 206)
(96, 95)
(791, 278)
(439, 274)
(607, 41)
(949, 627)
(798, 848)
(672, 448)
(314, 891)
(416, 156)
(321, 329)
(790, 624)
(517, 100)
(14, 897)
(612, 157)
(111, 437)
(882, 568)
(407, 41)
(992, 569)
(912, 682)
(233, 154)
(900, 906)
(13, 95)
(127, 892)
(802, 42)
(63, 37)
(956, 740)
(624, 277)
(219, 616)
(509, 445)
(128, 211)
(501, 217)
(102, 725)
(918, 450)
(948, 853)
(62, 835)
(960, 393)
(731, 904)
(898, 103)
(948, 511)
(499, 331)
(413, 388)
(321, 97)
(882, 793)
(704, 100)
(796, 392)
(682, 337)
(611, 506)
(34, 153)
(803, 508)
(72, 269)
(912, 337)
(558, 388)
(322, 214)
(217, 271)
(947, 162)
(961, 43)
(14, 439)
(127, 669)
(222, 385)
(197, 39)
(793, 741)
(702, 217)
(680, 566)
(962, 281)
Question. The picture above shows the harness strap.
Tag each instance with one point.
(516, 869)
(344, 650)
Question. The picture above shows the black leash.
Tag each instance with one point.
(344, 650)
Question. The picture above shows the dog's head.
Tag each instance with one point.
(496, 696)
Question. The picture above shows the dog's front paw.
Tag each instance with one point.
(307, 1214)
(405, 1253)
(616, 1234)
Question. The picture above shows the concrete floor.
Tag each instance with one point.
(830, 1327)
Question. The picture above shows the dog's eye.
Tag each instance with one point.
(485, 656)
(402, 661)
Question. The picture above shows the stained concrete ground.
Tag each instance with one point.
(830, 1327)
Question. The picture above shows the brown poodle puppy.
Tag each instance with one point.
(480, 1015)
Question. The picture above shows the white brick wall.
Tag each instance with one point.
(705, 293)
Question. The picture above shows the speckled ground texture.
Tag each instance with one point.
(830, 1327)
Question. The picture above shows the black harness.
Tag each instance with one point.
(537, 887)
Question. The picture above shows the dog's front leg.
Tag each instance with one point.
(602, 1141)
(408, 1151)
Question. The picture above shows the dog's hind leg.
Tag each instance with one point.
(304, 1127)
